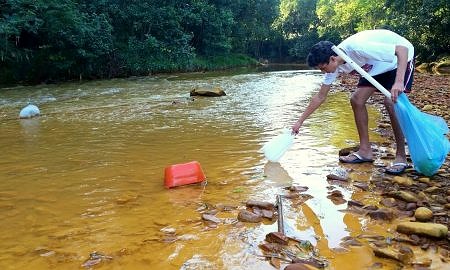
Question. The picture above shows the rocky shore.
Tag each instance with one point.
(425, 201)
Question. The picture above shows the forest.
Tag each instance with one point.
(59, 40)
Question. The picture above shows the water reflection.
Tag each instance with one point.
(187, 196)
(277, 175)
(30, 128)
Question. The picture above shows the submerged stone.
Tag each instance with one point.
(208, 92)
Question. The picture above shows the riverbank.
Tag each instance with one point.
(407, 195)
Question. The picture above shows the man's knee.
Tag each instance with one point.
(357, 101)
(361, 95)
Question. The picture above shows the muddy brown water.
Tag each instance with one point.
(87, 175)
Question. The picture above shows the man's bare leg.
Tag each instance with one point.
(358, 102)
(400, 154)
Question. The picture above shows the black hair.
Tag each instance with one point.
(320, 53)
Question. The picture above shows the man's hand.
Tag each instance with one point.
(296, 127)
(396, 89)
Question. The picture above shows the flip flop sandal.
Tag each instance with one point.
(358, 159)
(397, 168)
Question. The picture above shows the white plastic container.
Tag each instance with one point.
(277, 146)
(29, 111)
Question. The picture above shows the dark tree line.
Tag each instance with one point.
(50, 40)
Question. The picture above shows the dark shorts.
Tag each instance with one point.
(387, 79)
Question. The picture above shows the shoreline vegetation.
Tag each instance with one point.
(235, 61)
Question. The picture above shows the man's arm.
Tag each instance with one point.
(315, 102)
(402, 61)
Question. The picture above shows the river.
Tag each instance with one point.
(87, 175)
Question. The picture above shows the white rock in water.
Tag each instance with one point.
(29, 111)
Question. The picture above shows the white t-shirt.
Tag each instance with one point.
(373, 50)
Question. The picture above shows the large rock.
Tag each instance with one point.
(208, 92)
(427, 229)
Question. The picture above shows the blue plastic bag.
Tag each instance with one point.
(425, 135)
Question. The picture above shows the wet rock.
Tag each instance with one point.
(405, 181)
(271, 247)
(303, 198)
(348, 150)
(371, 237)
(260, 204)
(427, 107)
(211, 218)
(350, 241)
(188, 237)
(208, 92)
(275, 262)
(388, 202)
(387, 253)
(337, 177)
(96, 258)
(423, 214)
(336, 197)
(405, 240)
(420, 228)
(426, 263)
(380, 244)
(247, 216)
(168, 230)
(403, 195)
(362, 186)
(292, 195)
(268, 214)
(431, 189)
(405, 254)
(277, 237)
(297, 188)
(197, 262)
(169, 238)
(403, 214)
(127, 198)
(44, 252)
(212, 212)
(225, 207)
(411, 206)
(355, 203)
(371, 207)
(423, 197)
(425, 180)
(382, 214)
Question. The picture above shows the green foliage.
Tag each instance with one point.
(424, 23)
(297, 22)
(222, 62)
(344, 18)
